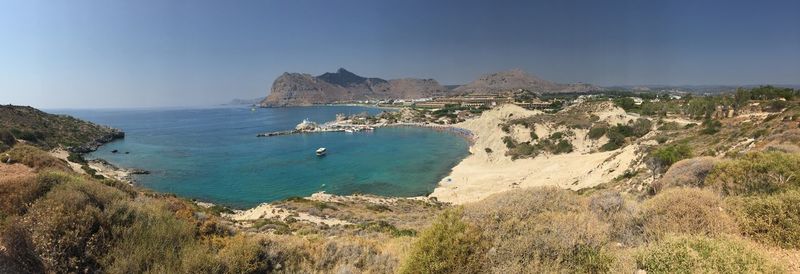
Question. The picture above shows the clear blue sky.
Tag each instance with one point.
(175, 53)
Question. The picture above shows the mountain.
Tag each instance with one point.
(293, 89)
(518, 79)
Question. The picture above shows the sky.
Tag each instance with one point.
(152, 53)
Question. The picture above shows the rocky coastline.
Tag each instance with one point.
(114, 134)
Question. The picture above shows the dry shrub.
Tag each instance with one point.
(151, 237)
(17, 193)
(288, 254)
(68, 227)
(542, 230)
(619, 213)
(7, 140)
(34, 158)
(770, 219)
(18, 254)
(685, 210)
(686, 173)
(241, 254)
(354, 255)
(785, 148)
(756, 173)
(696, 254)
(526, 203)
(449, 246)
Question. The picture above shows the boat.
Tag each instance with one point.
(321, 151)
(349, 130)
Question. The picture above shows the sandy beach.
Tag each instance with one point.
(485, 173)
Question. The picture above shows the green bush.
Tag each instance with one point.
(449, 246)
(711, 127)
(695, 254)
(770, 219)
(76, 158)
(756, 173)
(641, 126)
(563, 146)
(386, 227)
(510, 144)
(669, 126)
(615, 141)
(597, 132)
(670, 154)
(7, 138)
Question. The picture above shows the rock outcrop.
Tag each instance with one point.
(298, 89)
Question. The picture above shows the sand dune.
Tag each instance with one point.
(485, 173)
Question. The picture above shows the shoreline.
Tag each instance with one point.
(123, 174)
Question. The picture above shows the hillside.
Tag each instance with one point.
(49, 131)
(519, 79)
(293, 89)
(602, 186)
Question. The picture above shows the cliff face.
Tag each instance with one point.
(296, 89)
(518, 79)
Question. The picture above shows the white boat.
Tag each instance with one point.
(321, 151)
(349, 130)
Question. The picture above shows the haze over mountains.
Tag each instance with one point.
(297, 89)
(344, 86)
(519, 79)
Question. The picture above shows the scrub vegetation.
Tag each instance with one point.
(718, 196)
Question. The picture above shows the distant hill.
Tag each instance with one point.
(292, 89)
(518, 79)
(48, 131)
(253, 101)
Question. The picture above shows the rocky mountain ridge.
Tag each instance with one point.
(519, 79)
(301, 89)
(291, 89)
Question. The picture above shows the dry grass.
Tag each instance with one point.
(542, 230)
(685, 210)
(34, 158)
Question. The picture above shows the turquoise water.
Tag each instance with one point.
(213, 154)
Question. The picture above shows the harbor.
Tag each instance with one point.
(309, 127)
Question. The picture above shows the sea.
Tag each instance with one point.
(212, 154)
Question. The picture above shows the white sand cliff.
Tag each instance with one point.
(485, 173)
